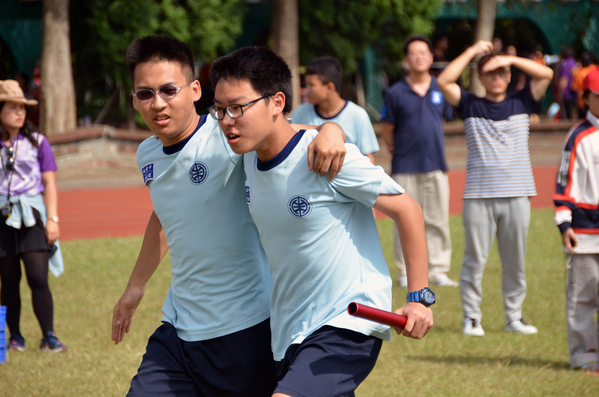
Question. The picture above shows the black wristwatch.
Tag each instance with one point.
(424, 296)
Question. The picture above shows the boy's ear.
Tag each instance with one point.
(331, 87)
(278, 102)
(196, 90)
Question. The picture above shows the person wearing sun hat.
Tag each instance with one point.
(577, 217)
(29, 220)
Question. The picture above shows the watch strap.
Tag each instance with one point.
(413, 296)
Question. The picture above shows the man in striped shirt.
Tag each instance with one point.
(499, 180)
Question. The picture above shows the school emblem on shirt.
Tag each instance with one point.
(436, 97)
(148, 172)
(299, 206)
(198, 173)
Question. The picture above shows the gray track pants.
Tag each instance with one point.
(508, 218)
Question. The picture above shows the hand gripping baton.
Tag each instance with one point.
(377, 315)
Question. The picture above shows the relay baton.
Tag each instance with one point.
(377, 315)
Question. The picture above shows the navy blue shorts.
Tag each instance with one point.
(239, 364)
(330, 362)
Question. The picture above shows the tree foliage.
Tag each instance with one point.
(102, 30)
(345, 29)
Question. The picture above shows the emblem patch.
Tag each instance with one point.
(148, 172)
(299, 206)
(198, 173)
(436, 97)
(247, 194)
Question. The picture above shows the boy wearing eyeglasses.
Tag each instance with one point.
(499, 180)
(320, 236)
(215, 336)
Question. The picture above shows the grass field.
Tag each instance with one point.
(445, 363)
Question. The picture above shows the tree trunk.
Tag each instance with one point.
(285, 34)
(485, 28)
(58, 111)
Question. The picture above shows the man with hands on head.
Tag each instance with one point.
(499, 180)
(215, 336)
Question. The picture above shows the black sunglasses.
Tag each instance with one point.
(166, 92)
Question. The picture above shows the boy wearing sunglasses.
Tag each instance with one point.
(320, 236)
(499, 180)
(215, 336)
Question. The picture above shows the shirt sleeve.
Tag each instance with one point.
(461, 109)
(359, 179)
(389, 186)
(447, 110)
(367, 141)
(45, 157)
(388, 107)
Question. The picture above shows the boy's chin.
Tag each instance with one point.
(238, 149)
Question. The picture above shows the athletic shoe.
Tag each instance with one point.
(472, 327)
(402, 281)
(590, 366)
(52, 344)
(521, 327)
(443, 281)
(16, 343)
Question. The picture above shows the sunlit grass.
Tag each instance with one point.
(445, 363)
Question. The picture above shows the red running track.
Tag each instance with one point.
(119, 212)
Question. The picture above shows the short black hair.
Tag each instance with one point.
(416, 37)
(160, 49)
(328, 69)
(266, 72)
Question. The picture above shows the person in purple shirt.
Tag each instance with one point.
(28, 223)
(565, 77)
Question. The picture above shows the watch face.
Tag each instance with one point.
(428, 296)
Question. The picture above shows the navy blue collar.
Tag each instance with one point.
(332, 117)
(177, 147)
(282, 155)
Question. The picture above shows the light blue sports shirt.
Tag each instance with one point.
(220, 280)
(352, 118)
(321, 241)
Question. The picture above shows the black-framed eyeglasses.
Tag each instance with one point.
(10, 163)
(234, 111)
(166, 92)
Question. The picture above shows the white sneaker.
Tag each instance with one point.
(590, 366)
(402, 281)
(443, 281)
(472, 327)
(521, 327)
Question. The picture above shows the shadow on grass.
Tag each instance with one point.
(495, 361)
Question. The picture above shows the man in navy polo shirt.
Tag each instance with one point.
(413, 131)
